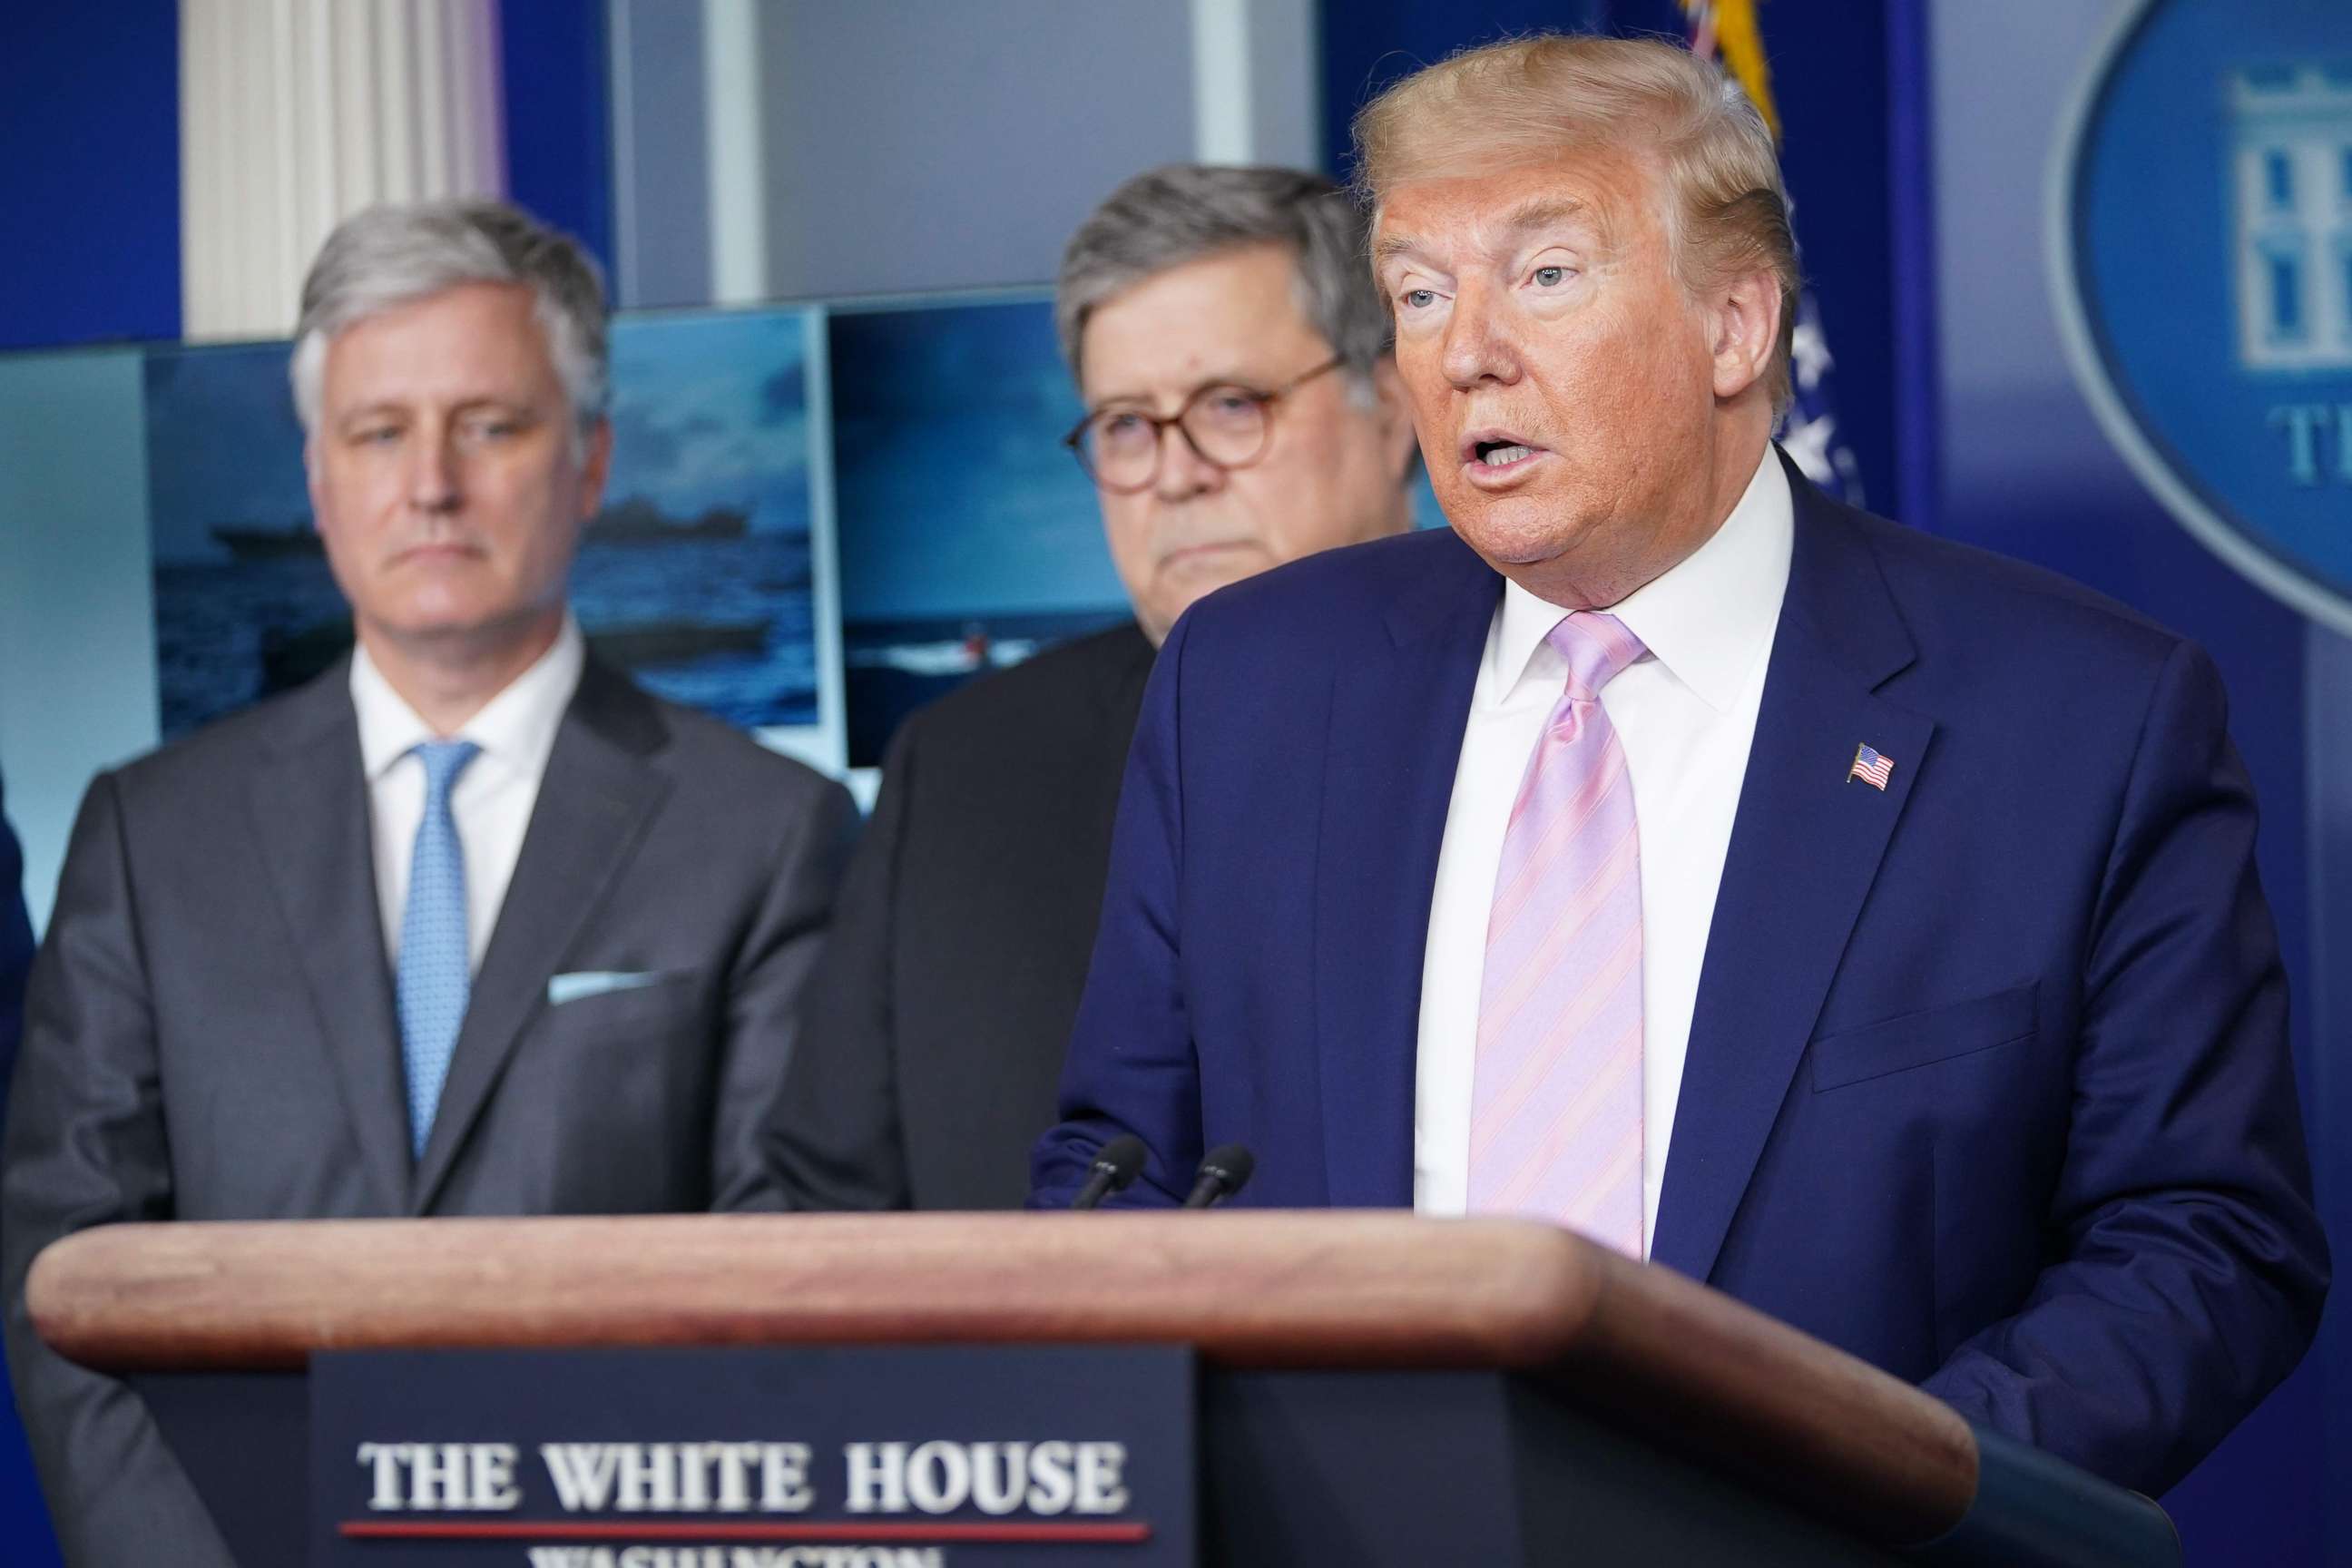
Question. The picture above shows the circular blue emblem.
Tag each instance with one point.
(2200, 257)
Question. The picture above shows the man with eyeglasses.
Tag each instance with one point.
(1242, 412)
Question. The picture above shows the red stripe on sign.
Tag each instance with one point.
(846, 1531)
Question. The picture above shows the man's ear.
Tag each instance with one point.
(1744, 321)
(595, 467)
(310, 475)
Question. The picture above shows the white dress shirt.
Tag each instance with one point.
(492, 799)
(1686, 714)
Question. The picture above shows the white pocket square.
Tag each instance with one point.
(563, 988)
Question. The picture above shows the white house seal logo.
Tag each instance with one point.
(2201, 261)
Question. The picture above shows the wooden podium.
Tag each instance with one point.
(1571, 1405)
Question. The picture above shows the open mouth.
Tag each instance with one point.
(1495, 451)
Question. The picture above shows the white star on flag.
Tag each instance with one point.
(1808, 353)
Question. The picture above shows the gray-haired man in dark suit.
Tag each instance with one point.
(1242, 411)
(470, 925)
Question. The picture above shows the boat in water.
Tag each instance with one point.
(637, 520)
(253, 544)
(972, 652)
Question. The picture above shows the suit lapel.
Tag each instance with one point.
(599, 792)
(1805, 849)
(311, 819)
(1396, 725)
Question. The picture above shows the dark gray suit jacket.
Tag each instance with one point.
(210, 1030)
(934, 1031)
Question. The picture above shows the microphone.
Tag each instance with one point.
(1117, 1164)
(1225, 1170)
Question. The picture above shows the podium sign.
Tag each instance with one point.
(801, 1456)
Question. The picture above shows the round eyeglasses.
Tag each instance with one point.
(1226, 425)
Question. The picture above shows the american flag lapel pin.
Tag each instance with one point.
(1869, 768)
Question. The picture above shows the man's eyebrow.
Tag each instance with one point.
(1542, 212)
(1535, 213)
(1149, 399)
(523, 407)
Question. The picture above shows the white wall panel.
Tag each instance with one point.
(779, 149)
(296, 113)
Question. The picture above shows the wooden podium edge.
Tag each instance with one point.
(1685, 1365)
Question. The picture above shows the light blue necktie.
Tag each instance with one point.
(435, 979)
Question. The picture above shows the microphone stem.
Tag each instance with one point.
(1207, 1192)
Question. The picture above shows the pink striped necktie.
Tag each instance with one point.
(1556, 1093)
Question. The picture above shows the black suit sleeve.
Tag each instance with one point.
(86, 1145)
(773, 967)
(837, 1143)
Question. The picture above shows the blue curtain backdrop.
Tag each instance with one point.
(90, 107)
(553, 81)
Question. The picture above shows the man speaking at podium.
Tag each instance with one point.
(1862, 925)
(468, 925)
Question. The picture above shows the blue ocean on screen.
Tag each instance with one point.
(968, 538)
(697, 577)
(722, 624)
(893, 666)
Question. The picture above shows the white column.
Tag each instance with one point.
(296, 113)
(620, 51)
(1224, 128)
(739, 194)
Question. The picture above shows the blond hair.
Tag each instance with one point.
(1529, 100)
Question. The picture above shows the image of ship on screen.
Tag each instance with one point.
(697, 576)
(968, 539)
(892, 667)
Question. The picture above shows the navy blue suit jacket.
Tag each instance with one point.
(1989, 1080)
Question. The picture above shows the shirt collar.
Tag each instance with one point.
(1707, 619)
(516, 728)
